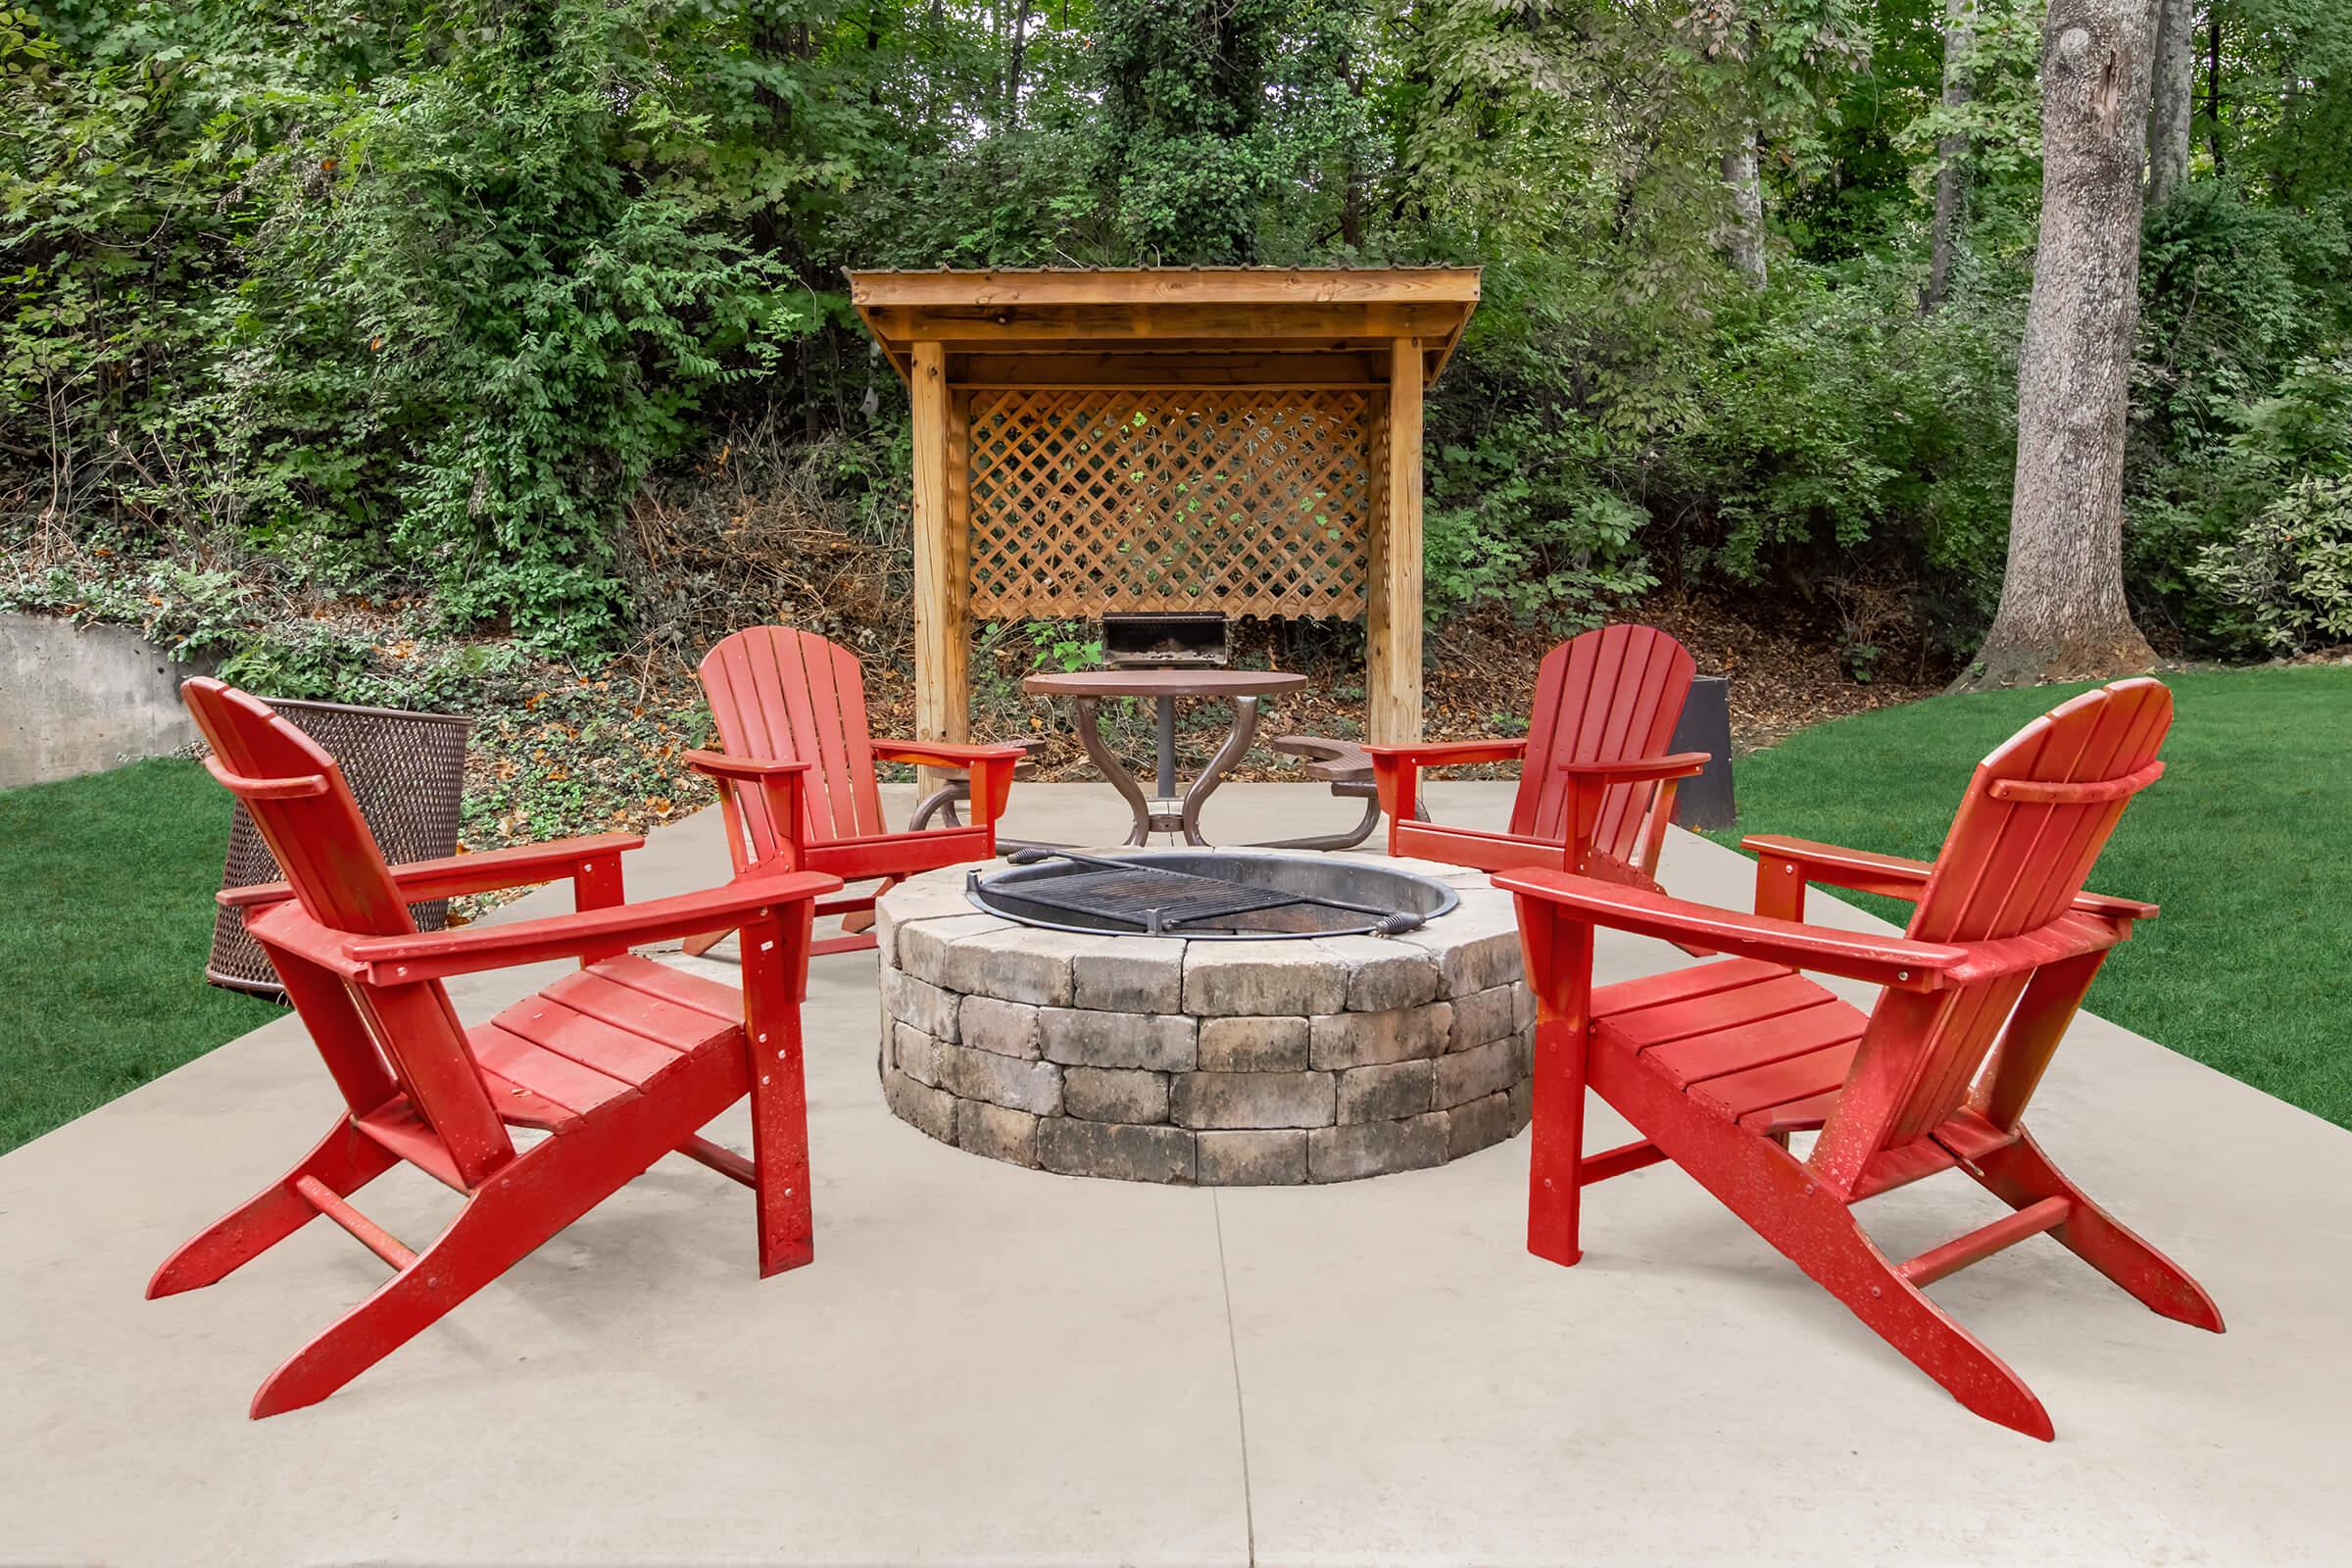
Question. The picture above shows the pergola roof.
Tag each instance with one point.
(1333, 314)
(1243, 438)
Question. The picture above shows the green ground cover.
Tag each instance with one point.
(2246, 843)
(106, 916)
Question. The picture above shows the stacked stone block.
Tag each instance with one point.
(1217, 1062)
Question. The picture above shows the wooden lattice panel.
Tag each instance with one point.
(1253, 501)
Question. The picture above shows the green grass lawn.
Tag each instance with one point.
(2246, 843)
(104, 929)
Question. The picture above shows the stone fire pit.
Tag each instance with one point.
(1170, 1058)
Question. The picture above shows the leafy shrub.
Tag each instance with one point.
(1837, 433)
(2290, 572)
(2190, 518)
(426, 299)
(1516, 520)
(2227, 300)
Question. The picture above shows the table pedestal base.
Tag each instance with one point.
(1186, 819)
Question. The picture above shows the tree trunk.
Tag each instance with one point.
(1743, 239)
(1015, 59)
(2213, 80)
(2063, 614)
(1951, 152)
(2170, 93)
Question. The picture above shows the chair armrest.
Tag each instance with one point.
(453, 875)
(434, 955)
(1893, 875)
(1900, 963)
(1446, 754)
(741, 769)
(1397, 770)
(991, 767)
(1886, 960)
(1639, 769)
(777, 785)
(948, 754)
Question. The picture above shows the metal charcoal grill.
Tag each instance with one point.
(1180, 639)
(1166, 639)
(1208, 894)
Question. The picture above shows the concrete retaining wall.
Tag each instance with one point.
(80, 699)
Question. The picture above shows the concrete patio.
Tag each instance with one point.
(992, 1364)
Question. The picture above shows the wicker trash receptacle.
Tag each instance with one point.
(408, 773)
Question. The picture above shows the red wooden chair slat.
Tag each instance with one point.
(1717, 1065)
(619, 1064)
(1609, 697)
(1655, 1027)
(579, 1089)
(1697, 1058)
(779, 695)
(1776, 1083)
(705, 996)
(614, 1000)
(593, 1043)
(1677, 985)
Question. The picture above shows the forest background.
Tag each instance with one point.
(495, 355)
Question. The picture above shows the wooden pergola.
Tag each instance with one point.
(1241, 439)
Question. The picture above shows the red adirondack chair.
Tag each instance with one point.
(1596, 783)
(620, 1063)
(1716, 1065)
(791, 700)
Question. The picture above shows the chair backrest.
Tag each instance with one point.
(303, 807)
(2031, 827)
(1608, 696)
(786, 696)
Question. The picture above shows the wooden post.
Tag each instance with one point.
(942, 642)
(1393, 617)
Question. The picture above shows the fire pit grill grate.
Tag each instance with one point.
(1206, 894)
(1158, 900)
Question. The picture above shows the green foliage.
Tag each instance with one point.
(2231, 292)
(491, 283)
(425, 294)
(2199, 511)
(420, 297)
(1062, 644)
(1839, 428)
(1516, 520)
(2290, 572)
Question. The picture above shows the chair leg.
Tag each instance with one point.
(1828, 1244)
(345, 1161)
(515, 1211)
(1555, 1160)
(857, 921)
(780, 1155)
(855, 942)
(775, 965)
(1781, 1200)
(498, 1227)
(2021, 1174)
(697, 945)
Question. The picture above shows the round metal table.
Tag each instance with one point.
(1166, 687)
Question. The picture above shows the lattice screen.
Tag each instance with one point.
(1250, 500)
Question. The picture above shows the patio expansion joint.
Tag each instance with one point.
(1241, 1415)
